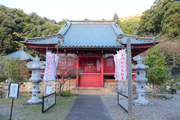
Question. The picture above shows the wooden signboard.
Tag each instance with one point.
(13, 93)
(13, 90)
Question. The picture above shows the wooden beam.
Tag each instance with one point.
(141, 45)
(77, 67)
(102, 71)
(90, 56)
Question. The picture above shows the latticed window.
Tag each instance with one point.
(109, 61)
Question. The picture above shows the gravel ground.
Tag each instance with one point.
(161, 110)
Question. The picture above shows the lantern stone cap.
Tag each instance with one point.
(140, 66)
(35, 65)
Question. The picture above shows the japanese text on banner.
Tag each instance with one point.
(120, 65)
(51, 65)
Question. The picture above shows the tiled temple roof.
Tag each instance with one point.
(88, 34)
(20, 53)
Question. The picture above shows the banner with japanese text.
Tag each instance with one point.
(51, 65)
(120, 65)
(115, 62)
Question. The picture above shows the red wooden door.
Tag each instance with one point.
(91, 76)
(90, 80)
(90, 65)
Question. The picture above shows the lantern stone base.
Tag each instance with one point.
(34, 101)
(30, 103)
(142, 102)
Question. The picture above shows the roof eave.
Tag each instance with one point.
(120, 36)
(87, 47)
(26, 40)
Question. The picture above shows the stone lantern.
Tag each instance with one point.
(141, 80)
(36, 68)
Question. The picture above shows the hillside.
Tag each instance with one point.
(137, 16)
(129, 24)
(15, 24)
(162, 18)
(134, 17)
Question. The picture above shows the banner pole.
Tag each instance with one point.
(11, 108)
(129, 79)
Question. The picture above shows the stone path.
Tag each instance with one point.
(88, 107)
(161, 110)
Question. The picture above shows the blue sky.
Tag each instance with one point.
(80, 9)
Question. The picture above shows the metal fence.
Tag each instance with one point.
(48, 101)
(122, 99)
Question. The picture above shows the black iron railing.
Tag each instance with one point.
(122, 99)
(48, 101)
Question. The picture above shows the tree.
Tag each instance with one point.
(9, 23)
(86, 19)
(36, 19)
(65, 71)
(157, 73)
(171, 22)
(162, 17)
(14, 69)
(15, 24)
(129, 24)
(171, 51)
(115, 17)
(49, 28)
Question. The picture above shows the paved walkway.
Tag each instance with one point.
(88, 107)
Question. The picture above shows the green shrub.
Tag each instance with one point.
(66, 93)
(164, 96)
(0, 93)
(3, 77)
(158, 73)
(57, 93)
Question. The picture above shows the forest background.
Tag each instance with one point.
(162, 19)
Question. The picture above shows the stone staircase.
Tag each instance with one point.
(90, 90)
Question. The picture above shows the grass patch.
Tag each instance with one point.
(33, 112)
(66, 93)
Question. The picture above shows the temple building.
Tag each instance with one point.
(92, 44)
(22, 54)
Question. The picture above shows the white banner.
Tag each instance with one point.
(115, 62)
(51, 65)
(120, 65)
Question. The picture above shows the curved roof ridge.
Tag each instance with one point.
(28, 55)
(120, 29)
(139, 38)
(64, 29)
(90, 22)
(22, 54)
(43, 37)
(117, 29)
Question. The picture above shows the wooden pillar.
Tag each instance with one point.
(129, 76)
(102, 71)
(77, 67)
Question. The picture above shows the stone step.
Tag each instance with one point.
(90, 90)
